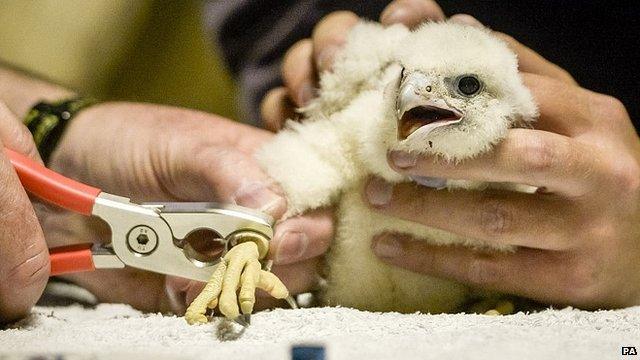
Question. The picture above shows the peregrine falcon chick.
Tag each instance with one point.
(445, 89)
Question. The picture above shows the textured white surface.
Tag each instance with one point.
(118, 331)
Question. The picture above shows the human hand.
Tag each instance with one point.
(577, 240)
(24, 259)
(159, 153)
(309, 57)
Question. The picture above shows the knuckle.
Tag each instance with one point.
(300, 47)
(583, 287)
(506, 37)
(413, 12)
(482, 271)
(24, 141)
(16, 135)
(333, 20)
(564, 76)
(608, 107)
(602, 232)
(300, 51)
(495, 218)
(626, 174)
(269, 106)
(538, 155)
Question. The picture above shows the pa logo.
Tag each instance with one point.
(629, 350)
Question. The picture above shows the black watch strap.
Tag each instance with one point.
(47, 121)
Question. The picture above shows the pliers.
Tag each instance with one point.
(149, 236)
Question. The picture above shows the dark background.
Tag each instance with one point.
(595, 40)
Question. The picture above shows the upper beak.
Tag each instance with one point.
(419, 113)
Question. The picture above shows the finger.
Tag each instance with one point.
(140, 289)
(564, 109)
(531, 62)
(272, 285)
(250, 279)
(499, 218)
(276, 108)
(15, 135)
(180, 292)
(298, 72)
(24, 259)
(411, 13)
(330, 35)
(302, 237)
(535, 274)
(537, 158)
(300, 277)
(224, 174)
(528, 60)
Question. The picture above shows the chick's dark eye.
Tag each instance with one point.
(468, 85)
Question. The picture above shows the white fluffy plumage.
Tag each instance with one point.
(445, 89)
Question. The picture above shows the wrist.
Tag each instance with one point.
(47, 122)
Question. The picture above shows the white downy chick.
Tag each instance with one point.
(446, 89)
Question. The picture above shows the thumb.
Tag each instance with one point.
(221, 173)
(24, 259)
(15, 135)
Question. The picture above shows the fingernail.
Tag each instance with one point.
(466, 19)
(431, 182)
(306, 93)
(387, 247)
(379, 192)
(403, 160)
(292, 246)
(394, 15)
(325, 59)
(258, 196)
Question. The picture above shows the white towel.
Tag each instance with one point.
(113, 331)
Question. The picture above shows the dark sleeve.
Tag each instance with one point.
(255, 34)
(593, 40)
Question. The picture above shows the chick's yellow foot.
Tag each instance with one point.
(239, 269)
(504, 307)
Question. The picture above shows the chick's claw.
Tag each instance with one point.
(239, 269)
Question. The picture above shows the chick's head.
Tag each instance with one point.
(455, 91)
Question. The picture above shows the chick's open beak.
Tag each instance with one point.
(417, 112)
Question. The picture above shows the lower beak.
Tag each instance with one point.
(425, 116)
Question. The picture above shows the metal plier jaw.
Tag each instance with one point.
(152, 236)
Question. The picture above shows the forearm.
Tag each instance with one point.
(20, 91)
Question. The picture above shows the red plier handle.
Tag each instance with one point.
(69, 194)
(52, 187)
